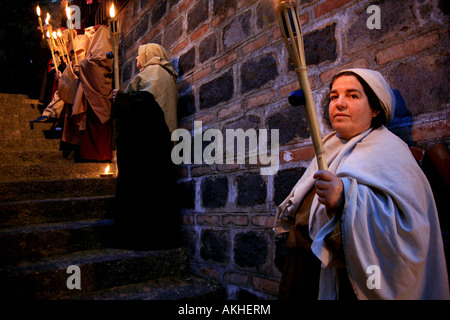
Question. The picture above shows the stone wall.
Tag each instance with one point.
(235, 74)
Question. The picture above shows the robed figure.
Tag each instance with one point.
(146, 210)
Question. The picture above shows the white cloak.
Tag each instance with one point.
(389, 221)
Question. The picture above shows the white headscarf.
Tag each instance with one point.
(380, 87)
(158, 77)
(153, 53)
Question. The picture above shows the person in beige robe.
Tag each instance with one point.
(157, 77)
(89, 125)
(145, 115)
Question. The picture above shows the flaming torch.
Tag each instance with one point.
(63, 44)
(38, 12)
(114, 30)
(292, 36)
(50, 43)
(70, 26)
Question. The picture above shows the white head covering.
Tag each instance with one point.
(158, 77)
(381, 88)
(153, 53)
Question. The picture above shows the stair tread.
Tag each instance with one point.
(55, 189)
(57, 262)
(47, 200)
(29, 212)
(167, 288)
(54, 226)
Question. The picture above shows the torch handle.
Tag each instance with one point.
(292, 36)
(311, 118)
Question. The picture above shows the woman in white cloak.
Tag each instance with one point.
(370, 219)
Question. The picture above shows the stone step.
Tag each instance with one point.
(39, 143)
(180, 287)
(18, 104)
(99, 269)
(56, 189)
(22, 122)
(20, 134)
(29, 212)
(33, 157)
(39, 241)
(52, 171)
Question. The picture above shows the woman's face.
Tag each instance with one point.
(349, 110)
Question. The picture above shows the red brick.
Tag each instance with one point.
(156, 29)
(205, 118)
(303, 153)
(210, 272)
(218, 20)
(182, 172)
(201, 74)
(145, 39)
(242, 3)
(185, 4)
(229, 111)
(226, 60)
(197, 34)
(327, 75)
(200, 171)
(228, 167)
(235, 220)
(189, 220)
(284, 91)
(236, 278)
(180, 47)
(329, 6)
(431, 130)
(407, 48)
(254, 45)
(263, 221)
(259, 100)
(207, 219)
(266, 285)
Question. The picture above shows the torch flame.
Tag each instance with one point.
(48, 34)
(38, 11)
(54, 35)
(59, 33)
(112, 12)
(107, 169)
(47, 19)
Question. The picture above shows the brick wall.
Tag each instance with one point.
(235, 73)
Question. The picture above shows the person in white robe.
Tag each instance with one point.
(372, 213)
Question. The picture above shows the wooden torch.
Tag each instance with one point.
(114, 30)
(292, 36)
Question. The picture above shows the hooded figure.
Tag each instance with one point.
(88, 123)
(157, 77)
(368, 227)
(146, 212)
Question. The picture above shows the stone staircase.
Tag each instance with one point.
(55, 213)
